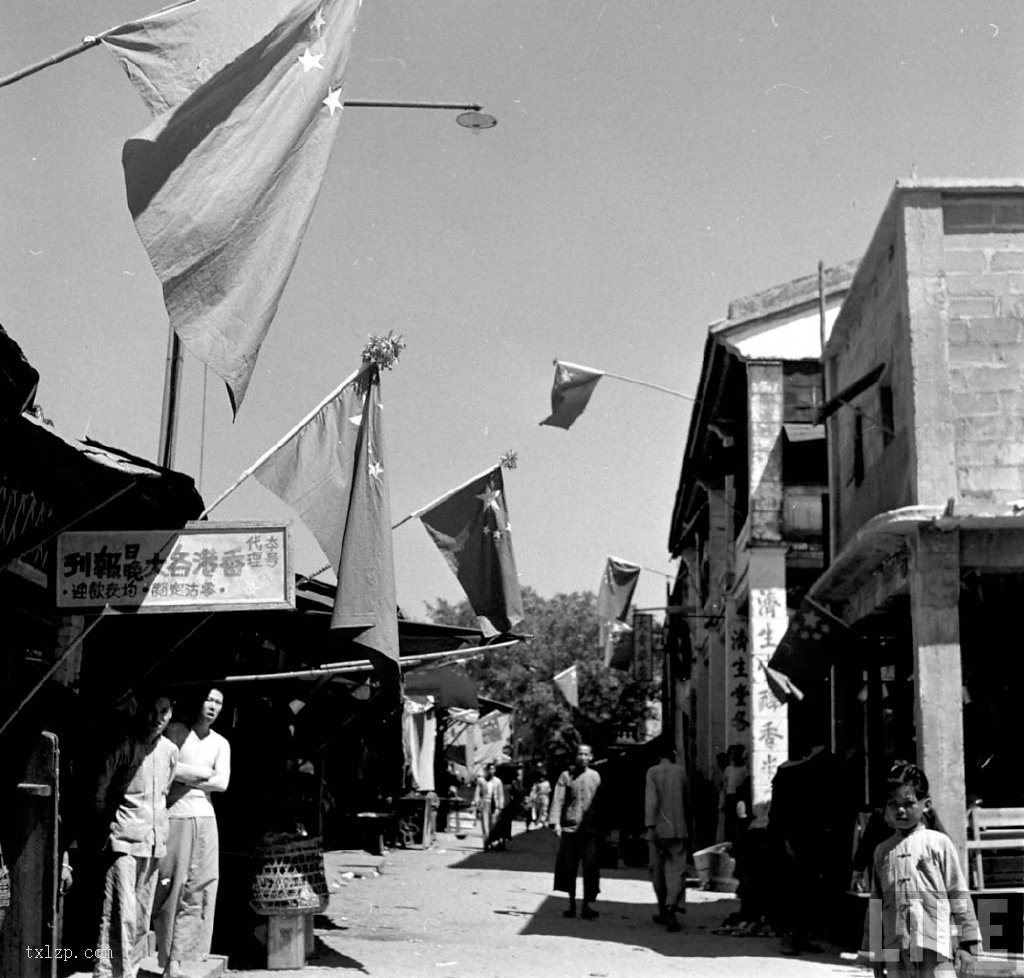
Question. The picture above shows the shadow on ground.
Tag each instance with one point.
(527, 852)
(619, 922)
(325, 956)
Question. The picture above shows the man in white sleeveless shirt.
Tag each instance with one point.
(187, 893)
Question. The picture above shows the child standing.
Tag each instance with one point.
(918, 886)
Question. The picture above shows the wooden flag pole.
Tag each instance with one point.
(282, 441)
(633, 563)
(53, 59)
(631, 380)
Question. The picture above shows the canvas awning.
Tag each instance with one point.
(50, 482)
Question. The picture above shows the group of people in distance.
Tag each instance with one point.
(152, 818)
(921, 921)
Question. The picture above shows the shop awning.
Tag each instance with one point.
(50, 482)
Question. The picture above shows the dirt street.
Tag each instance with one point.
(456, 912)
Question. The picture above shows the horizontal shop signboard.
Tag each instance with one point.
(223, 566)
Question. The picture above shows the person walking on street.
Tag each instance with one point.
(540, 799)
(130, 805)
(488, 800)
(189, 872)
(665, 819)
(573, 815)
(918, 889)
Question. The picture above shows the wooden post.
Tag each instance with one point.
(32, 917)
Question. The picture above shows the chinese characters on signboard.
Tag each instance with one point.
(643, 647)
(204, 567)
(769, 721)
(737, 680)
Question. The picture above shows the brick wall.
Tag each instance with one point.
(983, 257)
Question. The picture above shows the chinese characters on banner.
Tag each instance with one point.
(643, 647)
(737, 683)
(769, 719)
(208, 567)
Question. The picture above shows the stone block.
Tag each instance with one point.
(977, 285)
(972, 260)
(961, 354)
(968, 307)
(998, 378)
(1000, 481)
(957, 331)
(1006, 261)
(973, 404)
(996, 329)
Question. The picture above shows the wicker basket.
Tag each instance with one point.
(290, 878)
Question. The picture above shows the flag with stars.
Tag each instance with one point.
(333, 473)
(470, 527)
(246, 97)
(805, 652)
(570, 393)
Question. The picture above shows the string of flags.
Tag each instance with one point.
(246, 99)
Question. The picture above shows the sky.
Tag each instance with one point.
(653, 160)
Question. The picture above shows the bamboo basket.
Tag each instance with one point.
(290, 877)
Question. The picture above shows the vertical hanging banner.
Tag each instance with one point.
(737, 681)
(643, 647)
(769, 717)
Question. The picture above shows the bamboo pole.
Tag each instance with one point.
(56, 665)
(631, 380)
(284, 440)
(443, 497)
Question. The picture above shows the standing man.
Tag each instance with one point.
(130, 805)
(189, 872)
(665, 818)
(573, 815)
(489, 800)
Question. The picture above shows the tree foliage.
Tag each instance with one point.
(563, 630)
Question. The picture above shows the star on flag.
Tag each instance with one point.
(318, 21)
(333, 100)
(309, 61)
(491, 499)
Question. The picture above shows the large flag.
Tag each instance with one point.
(470, 527)
(568, 683)
(333, 472)
(247, 98)
(570, 393)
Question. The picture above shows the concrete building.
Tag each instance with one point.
(924, 387)
(748, 519)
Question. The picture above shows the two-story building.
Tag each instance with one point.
(748, 519)
(924, 410)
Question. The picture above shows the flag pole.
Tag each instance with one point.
(282, 441)
(54, 59)
(631, 380)
(443, 497)
(633, 563)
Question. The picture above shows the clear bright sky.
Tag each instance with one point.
(653, 160)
